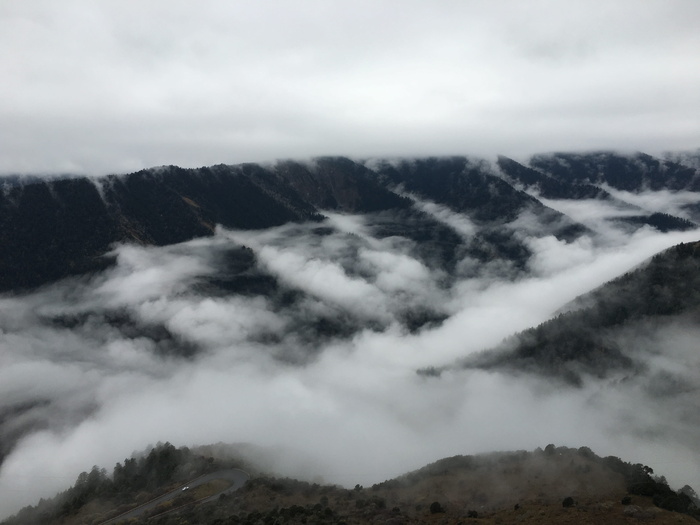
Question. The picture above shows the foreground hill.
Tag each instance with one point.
(553, 485)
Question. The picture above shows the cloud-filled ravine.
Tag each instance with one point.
(307, 337)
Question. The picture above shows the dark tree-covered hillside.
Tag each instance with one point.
(579, 341)
(50, 229)
(635, 173)
(548, 186)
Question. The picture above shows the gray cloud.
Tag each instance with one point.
(117, 86)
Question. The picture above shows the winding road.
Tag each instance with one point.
(237, 477)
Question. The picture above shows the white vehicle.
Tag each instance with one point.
(185, 488)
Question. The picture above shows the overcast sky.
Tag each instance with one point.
(117, 85)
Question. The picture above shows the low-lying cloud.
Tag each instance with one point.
(321, 361)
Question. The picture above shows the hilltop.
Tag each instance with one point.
(554, 485)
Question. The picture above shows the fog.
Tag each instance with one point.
(157, 349)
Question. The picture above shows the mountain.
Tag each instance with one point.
(549, 186)
(570, 177)
(553, 485)
(588, 337)
(634, 173)
(472, 187)
(55, 228)
(50, 229)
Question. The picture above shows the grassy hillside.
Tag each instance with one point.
(553, 485)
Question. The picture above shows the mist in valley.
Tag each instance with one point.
(306, 338)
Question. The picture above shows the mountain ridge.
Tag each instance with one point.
(580, 340)
(54, 228)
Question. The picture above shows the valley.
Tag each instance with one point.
(368, 317)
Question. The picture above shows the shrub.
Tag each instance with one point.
(436, 508)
